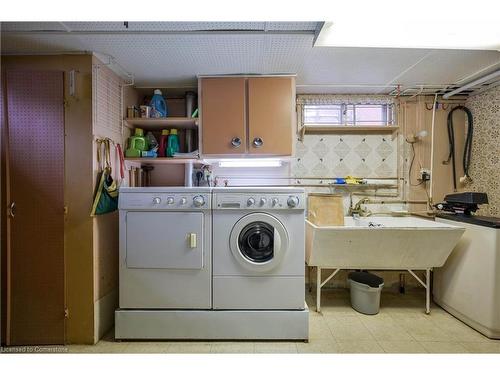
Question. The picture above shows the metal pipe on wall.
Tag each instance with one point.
(476, 82)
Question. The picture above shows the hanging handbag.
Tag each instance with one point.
(106, 193)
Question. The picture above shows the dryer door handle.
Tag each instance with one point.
(192, 240)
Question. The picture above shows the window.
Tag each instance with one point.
(348, 114)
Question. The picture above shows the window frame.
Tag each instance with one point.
(387, 111)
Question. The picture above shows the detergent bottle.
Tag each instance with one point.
(158, 105)
(162, 151)
(173, 143)
(136, 144)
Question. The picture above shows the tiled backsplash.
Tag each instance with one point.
(329, 155)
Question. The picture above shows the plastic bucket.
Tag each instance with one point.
(365, 298)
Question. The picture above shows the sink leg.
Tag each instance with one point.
(318, 289)
(428, 291)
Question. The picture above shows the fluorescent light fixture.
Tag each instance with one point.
(433, 26)
(249, 163)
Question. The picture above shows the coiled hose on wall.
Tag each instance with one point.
(467, 147)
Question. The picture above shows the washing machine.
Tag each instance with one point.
(258, 248)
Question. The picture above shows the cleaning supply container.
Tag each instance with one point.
(136, 144)
(162, 150)
(365, 292)
(173, 143)
(158, 105)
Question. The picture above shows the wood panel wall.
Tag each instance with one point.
(415, 114)
(78, 187)
(105, 227)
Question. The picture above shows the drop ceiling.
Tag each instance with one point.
(172, 54)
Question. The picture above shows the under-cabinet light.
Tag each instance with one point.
(249, 163)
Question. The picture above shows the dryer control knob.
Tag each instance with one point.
(198, 201)
(292, 201)
(262, 201)
(156, 200)
(250, 202)
(170, 200)
(275, 202)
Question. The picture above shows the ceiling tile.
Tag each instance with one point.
(169, 60)
(449, 66)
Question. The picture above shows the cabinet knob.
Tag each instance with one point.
(258, 142)
(236, 142)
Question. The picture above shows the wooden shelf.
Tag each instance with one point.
(162, 123)
(310, 129)
(152, 161)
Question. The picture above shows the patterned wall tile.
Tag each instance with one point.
(363, 149)
(485, 162)
(333, 155)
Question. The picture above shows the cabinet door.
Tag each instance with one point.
(271, 115)
(35, 227)
(223, 116)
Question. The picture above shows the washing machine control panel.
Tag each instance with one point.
(261, 201)
(166, 201)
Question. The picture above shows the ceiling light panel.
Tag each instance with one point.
(376, 30)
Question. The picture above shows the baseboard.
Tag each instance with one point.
(104, 314)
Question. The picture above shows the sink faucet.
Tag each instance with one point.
(357, 210)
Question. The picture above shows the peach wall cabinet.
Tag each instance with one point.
(247, 116)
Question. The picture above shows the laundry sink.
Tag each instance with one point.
(381, 243)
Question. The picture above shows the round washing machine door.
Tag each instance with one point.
(259, 241)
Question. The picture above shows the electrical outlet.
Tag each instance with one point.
(425, 174)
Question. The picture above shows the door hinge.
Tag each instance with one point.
(65, 210)
(66, 313)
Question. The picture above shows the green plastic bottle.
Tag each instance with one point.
(136, 144)
(173, 143)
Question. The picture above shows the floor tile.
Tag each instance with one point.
(492, 346)
(443, 347)
(148, 347)
(402, 346)
(111, 347)
(318, 346)
(457, 330)
(275, 347)
(400, 327)
(81, 349)
(318, 329)
(387, 331)
(189, 347)
(353, 330)
(422, 330)
(232, 347)
(360, 346)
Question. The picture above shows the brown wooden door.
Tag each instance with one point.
(35, 227)
(223, 116)
(271, 115)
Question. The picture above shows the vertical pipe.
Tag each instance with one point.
(431, 183)
(427, 291)
(318, 289)
(188, 174)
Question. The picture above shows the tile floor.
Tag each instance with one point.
(400, 327)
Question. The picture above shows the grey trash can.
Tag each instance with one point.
(365, 290)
